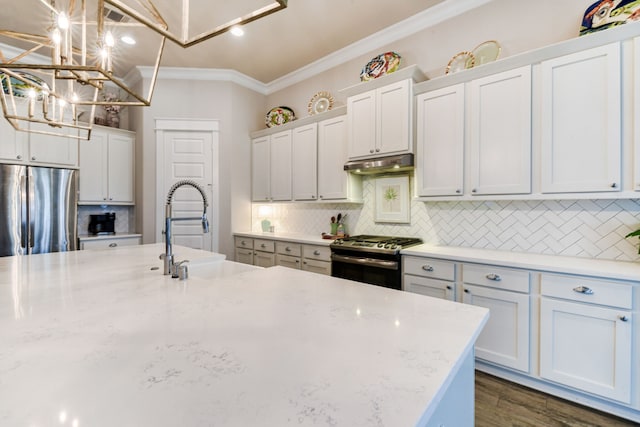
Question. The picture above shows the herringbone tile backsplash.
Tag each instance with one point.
(583, 228)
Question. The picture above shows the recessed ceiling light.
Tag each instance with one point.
(237, 31)
(128, 40)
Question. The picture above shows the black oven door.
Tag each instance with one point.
(380, 270)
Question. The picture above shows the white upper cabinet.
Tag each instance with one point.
(271, 167)
(500, 133)
(260, 169)
(334, 183)
(281, 166)
(305, 162)
(581, 121)
(107, 167)
(379, 121)
(440, 118)
(636, 114)
(12, 145)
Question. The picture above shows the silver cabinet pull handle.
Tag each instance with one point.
(427, 267)
(288, 249)
(495, 277)
(583, 290)
(623, 318)
(316, 253)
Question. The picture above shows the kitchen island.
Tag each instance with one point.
(102, 338)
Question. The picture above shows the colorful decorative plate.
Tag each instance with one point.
(459, 62)
(382, 64)
(279, 116)
(320, 102)
(20, 88)
(605, 14)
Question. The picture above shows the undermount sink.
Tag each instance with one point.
(216, 268)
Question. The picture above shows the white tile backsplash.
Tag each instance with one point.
(584, 228)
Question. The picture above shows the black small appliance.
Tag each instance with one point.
(102, 223)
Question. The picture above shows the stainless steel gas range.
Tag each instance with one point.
(370, 259)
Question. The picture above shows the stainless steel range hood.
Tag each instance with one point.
(400, 163)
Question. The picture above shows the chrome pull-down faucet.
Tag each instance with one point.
(171, 267)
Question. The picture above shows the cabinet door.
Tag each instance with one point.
(505, 338)
(260, 169)
(305, 162)
(315, 266)
(393, 118)
(581, 137)
(93, 168)
(288, 261)
(120, 175)
(332, 154)
(500, 133)
(264, 259)
(430, 287)
(440, 136)
(586, 347)
(53, 150)
(280, 169)
(12, 147)
(244, 256)
(361, 114)
(636, 112)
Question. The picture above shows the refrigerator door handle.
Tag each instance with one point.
(31, 206)
(24, 229)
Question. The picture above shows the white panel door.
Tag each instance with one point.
(581, 122)
(636, 112)
(500, 133)
(121, 155)
(53, 150)
(333, 181)
(12, 147)
(93, 168)
(260, 169)
(280, 168)
(188, 155)
(440, 140)
(361, 116)
(586, 347)
(305, 162)
(505, 338)
(393, 119)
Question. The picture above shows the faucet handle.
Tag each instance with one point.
(176, 267)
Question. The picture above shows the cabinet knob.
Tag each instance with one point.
(466, 291)
(583, 290)
(313, 196)
(104, 198)
(321, 196)
(427, 267)
(494, 277)
(33, 158)
(263, 246)
(475, 190)
(110, 198)
(297, 261)
(19, 157)
(623, 318)
(288, 249)
(449, 287)
(458, 191)
(113, 245)
(316, 253)
(371, 151)
(614, 185)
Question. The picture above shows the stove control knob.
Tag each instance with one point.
(393, 246)
(338, 242)
(387, 246)
(381, 245)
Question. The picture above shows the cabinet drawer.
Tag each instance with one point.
(322, 253)
(429, 267)
(244, 242)
(496, 277)
(286, 248)
(264, 245)
(110, 243)
(593, 291)
(436, 288)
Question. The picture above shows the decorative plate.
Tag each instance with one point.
(605, 14)
(320, 102)
(486, 52)
(20, 88)
(382, 64)
(279, 116)
(459, 62)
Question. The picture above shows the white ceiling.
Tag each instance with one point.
(272, 47)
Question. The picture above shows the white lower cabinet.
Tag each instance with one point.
(264, 253)
(288, 255)
(316, 259)
(585, 345)
(431, 277)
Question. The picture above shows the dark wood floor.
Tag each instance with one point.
(501, 403)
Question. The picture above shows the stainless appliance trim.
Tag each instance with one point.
(369, 262)
(398, 163)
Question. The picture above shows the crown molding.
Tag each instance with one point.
(418, 22)
(209, 74)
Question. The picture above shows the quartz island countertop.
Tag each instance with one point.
(102, 338)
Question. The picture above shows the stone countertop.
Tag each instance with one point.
(102, 338)
(621, 270)
(286, 237)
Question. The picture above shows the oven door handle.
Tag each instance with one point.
(370, 262)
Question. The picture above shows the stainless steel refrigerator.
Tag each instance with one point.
(38, 210)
